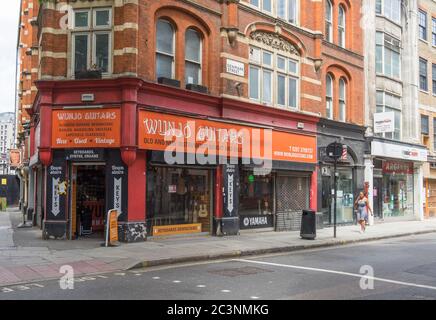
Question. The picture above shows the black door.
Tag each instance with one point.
(377, 198)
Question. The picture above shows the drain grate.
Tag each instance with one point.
(236, 272)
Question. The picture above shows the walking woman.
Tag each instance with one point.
(362, 206)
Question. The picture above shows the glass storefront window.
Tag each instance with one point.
(256, 194)
(345, 197)
(397, 189)
(178, 196)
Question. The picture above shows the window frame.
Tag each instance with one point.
(422, 60)
(342, 28)
(275, 71)
(394, 108)
(157, 52)
(200, 54)
(433, 31)
(329, 96)
(433, 78)
(342, 100)
(91, 31)
(329, 23)
(422, 14)
(426, 118)
(275, 12)
(383, 53)
(389, 15)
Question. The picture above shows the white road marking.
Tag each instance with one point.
(156, 278)
(356, 275)
(201, 286)
(254, 297)
(225, 291)
(177, 281)
(120, 274)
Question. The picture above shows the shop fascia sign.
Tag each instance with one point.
(384, 122)
(391, 150)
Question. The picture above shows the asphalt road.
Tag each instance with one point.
(403, 268)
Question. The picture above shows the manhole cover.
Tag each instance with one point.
(236, 272)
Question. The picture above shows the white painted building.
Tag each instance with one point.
(7, 127)
(395, 157)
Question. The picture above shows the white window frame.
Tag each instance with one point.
(91, 30)
(388, 15)
(342, 26)
(329, 22)
(200, 80)
(330, 97)
(173, 68)
(274, 10)
(342, 101)
(275, 71)
(393, 108)
(383, 57)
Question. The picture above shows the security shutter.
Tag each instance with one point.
(292, 197)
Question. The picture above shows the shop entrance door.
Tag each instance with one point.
(87, 203)
(377, 198)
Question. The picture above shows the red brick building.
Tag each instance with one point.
(28, 61)
(118, 76)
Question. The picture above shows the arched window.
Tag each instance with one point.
(192, 57)
(341, 26)
(328, 21)
(342, 101)
(164, 49)
(329, 97)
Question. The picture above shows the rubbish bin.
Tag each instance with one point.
(308, 225)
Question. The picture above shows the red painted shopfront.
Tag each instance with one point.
(100, 144)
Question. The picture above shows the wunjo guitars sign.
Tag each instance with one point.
(158, 131)
(86, 128)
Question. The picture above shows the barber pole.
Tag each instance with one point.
(344, 152)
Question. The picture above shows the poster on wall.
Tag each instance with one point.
(384, 122)
(86, 128)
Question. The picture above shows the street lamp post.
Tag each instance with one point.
(334, 151)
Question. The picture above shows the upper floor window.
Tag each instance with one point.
(91, 39)
(164, 49)
(391, 9)
(328, 21)
(424, 124)
(387, 55)
(433, 77)
(287, 10)
(284, 9)
(423, 82)
(341, 26)
(273, 78)
(386, 102)
(422, 25)
(329, 96)
(433, 31)
(192, 57)
(342, 101)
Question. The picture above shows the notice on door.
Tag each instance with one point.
(86, 128)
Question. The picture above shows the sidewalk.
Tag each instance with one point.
(25, 257)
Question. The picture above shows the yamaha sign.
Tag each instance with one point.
(256, 221)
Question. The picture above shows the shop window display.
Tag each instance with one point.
(256, 194)
(178, 196)
(397, 189)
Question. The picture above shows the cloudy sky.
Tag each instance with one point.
(8, 42)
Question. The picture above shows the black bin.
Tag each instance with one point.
(308, 225)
